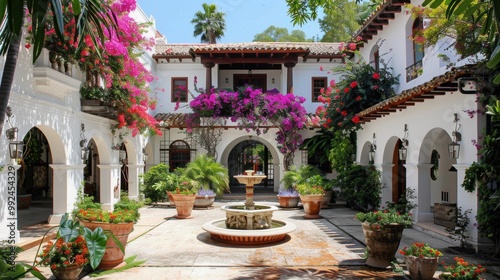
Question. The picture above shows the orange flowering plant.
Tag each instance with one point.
(462, 270)
(312, 186)
(125, 210)
(75, 245)
(420, 250)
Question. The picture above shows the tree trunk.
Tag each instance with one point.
(8, 78)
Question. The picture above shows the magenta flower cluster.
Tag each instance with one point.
(255, 110)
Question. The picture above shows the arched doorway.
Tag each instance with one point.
(251, 155)
(91, 173)
(398, 174)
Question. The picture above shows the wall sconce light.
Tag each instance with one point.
(123, 155)
(144, 155)
(249, 71)
(403, 152)
(15, 147)
(273, 80)
(83, 144)
(373, 148)
(226, 80)
(454, 147)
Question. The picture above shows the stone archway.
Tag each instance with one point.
(441, 187)
(274, 164)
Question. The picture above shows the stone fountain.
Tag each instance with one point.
(249, 224)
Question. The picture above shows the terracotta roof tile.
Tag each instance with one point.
(415, 92)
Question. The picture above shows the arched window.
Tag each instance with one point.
(418, 49)
(180, 154)
(375, 58)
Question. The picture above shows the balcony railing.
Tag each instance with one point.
(413, 71)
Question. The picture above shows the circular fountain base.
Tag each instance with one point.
(276, 233)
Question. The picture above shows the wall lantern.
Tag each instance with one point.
(454, 147)
(403, 151)
(226, 80)
(273, 80)
(15, 147)
(144, 155)
(123, 155)
(83, 144)
(467, 85)
(373, 148)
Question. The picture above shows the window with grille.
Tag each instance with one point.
(179, 89)
(180, 154)
(317, 84)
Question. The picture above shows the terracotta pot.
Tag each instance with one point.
(67, 273)
(113, 256)
(381, 243)
(421, 268)
(171, 199)
(288, 201)
(312, 205)
(184, 205)
(326, 199)
(202, 201)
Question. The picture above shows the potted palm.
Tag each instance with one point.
(383, 230)
(288, 197)
(205, 174)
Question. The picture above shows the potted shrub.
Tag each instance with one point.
(204, 198)
(119, 222)
(288, 195)
(184, 197)
(421, 260)
(311, 195)
(383, 230)
(205, 173)
(74, 247)
(288, 198)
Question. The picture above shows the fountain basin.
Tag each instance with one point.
(239, 217)
(276, 233)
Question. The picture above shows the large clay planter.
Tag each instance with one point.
(421, 268)
(288, 201)
(113, 256)
(381, 243)
(204, 201)
(67, 273)
(312, 205)
(184, 205)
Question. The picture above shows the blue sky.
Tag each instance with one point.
(244, 18)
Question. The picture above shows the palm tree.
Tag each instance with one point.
(210, 24)
(90, 15)
(205, 173)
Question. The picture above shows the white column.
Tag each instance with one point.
(412, 182)
(67, 180)
(110, 185)
(467, 200)
(423, 191)
(134, 170)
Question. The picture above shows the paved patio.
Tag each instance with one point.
(328, 248)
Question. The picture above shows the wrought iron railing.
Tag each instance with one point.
(413, 71)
